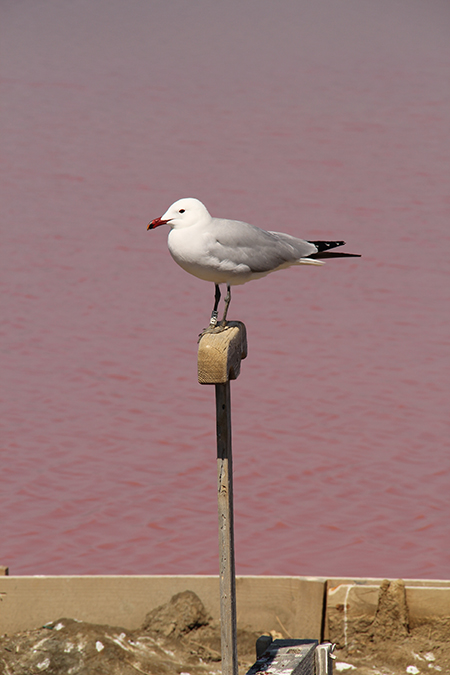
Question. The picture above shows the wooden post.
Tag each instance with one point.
(219, 361)
(226, 531)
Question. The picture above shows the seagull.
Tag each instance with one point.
(232, 252)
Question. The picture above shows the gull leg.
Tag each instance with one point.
(213, 326)
(227, 304)
(215, 313)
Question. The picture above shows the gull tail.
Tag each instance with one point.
(308, 261)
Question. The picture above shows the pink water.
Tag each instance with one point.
(325, 120)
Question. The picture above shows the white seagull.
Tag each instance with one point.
(232, 252)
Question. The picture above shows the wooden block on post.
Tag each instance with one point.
(220, 354)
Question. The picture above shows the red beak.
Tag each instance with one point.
(156, 223)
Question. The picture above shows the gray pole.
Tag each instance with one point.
(226, 531)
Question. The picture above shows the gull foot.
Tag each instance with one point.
(212, 329)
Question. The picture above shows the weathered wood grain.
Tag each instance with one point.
(220, 354)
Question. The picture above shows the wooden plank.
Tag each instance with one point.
(352, 602)
(425, 602)
(291, 606)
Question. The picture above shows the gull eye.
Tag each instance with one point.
(181, 210)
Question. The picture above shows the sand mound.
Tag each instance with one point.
(391, 644)
(177, 637)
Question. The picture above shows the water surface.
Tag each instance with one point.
(325, 121)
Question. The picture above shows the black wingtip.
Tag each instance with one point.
(323, 248)
(325, 245)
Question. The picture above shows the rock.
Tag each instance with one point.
(182, 614)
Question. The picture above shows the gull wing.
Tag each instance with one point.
(243, 244)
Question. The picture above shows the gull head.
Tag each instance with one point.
(183, 213)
